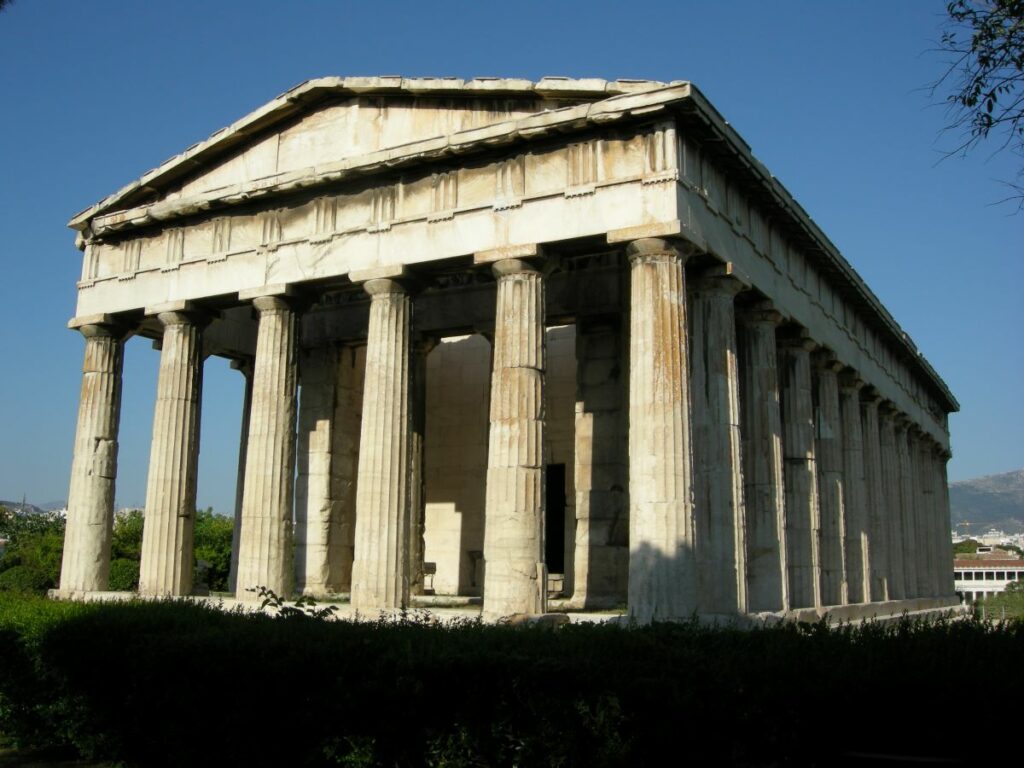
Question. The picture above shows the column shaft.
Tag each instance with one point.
(315, 506)
(893, 522)
(945, 574)
(764, 494)
(875, 501)
(515, 579)
(86, 560)
(856, 541)
(829, 452)
(719, 515)
(926, 515)
(167, 548)
(908, 527)
(243, 448)
(348, 415)
(417, 502)
(801, 486)
(662, 567)
(601, 565)
(380, 570)
(265, 548)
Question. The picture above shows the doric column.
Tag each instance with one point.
(945, 572)
(417, 504)
(719, 525)
(923, 508)
(348, 414)
(875, 500)
(245, 367)
(801, 485)
(265, 549)
(926, 513)
(315, 506)
(892, 487)
(662, 567)
(86, 561)
(908, 528)
(761, 429)
(828, 444)
(380, 570)
(856, 543)
(515, 579)
(167, 552)
(601, 563)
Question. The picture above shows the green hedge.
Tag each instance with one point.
(159, 684)
(25, 579)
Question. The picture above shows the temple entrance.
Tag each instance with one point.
(554, 519)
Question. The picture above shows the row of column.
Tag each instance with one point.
(762, 475)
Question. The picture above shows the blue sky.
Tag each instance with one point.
(831, 96)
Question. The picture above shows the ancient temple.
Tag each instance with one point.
(515, 340)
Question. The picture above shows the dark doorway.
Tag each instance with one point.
(554, 522)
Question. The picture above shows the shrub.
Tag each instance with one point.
(212, 537)
(124, 575)
(126, 540)
(122, 681)
(25, 579)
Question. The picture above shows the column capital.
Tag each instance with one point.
(870, 396)
(795, 337)
(825, 360)
(850, 383)
(100, 325)
(721, 280)
(195, 318)
(758, 313)
(273, 303)
(387, 280)
(649, 249)
(243, 366)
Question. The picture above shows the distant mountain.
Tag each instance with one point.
(993, 501)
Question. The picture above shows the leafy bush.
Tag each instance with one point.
(25, 578)
(34, 540)
(302, 692)
(212, 536)
(124, 575)
(126, 540)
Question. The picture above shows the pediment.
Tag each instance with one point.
(330, 120)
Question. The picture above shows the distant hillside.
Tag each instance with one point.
(19, 505)
(994, 501)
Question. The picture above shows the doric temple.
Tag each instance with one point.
(565, 340)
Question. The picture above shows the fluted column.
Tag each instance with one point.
(380, 570)
(662, 562)
(908, 527)
(601, 563)
(265, 549)
(316, 515)
(167, 549)
(801, 485)
(875, 500)
(417, 504)
(857, 548)
(892, 487)
(245, 367)
(86, 560)
(719, 518)
(945, 573)
(926, 513)
(829, 450)
(515, 578)
(761, 430)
